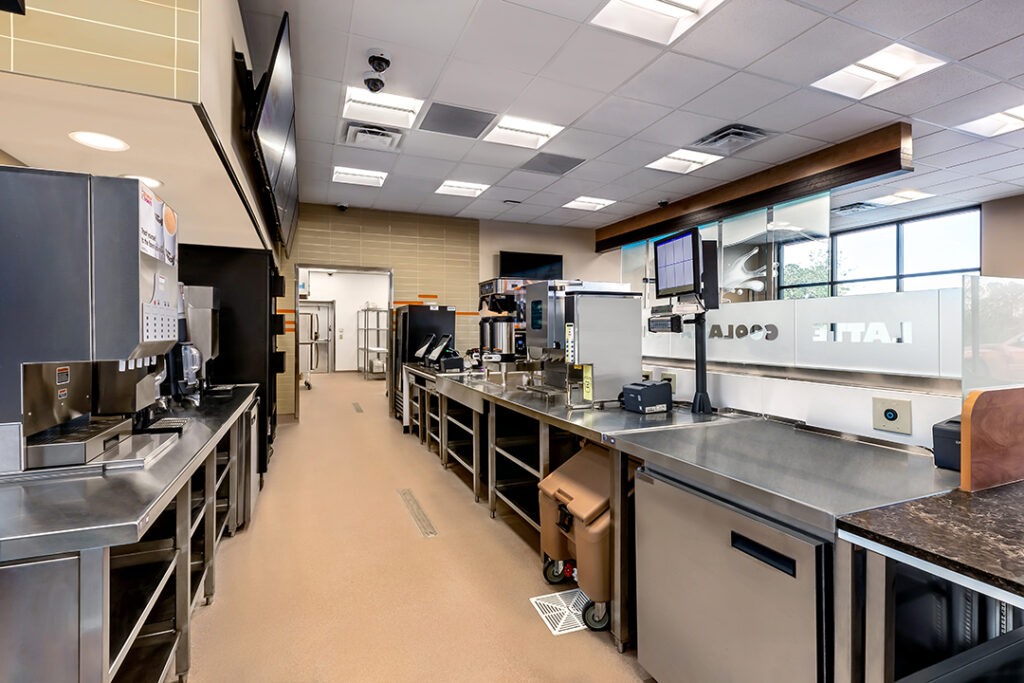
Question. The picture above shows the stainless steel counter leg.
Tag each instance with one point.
(544, 444)
(93, 615)
(492, 435)
(849, 655)
(234, 462)
(476, 456)
(878, 615)
(424, 403)
(622, 561)
(210, 525)
(182, 570)
(442, 426)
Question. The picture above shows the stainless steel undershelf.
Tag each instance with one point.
(47, 516)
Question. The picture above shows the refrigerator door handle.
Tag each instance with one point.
(316, 363)
(762, 553)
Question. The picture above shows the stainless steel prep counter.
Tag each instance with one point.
(102, 571)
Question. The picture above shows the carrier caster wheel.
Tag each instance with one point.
(596, 616)
(554, 572)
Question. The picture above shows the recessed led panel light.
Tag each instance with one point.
(512, 130)
(359, 176)
(461, 189)
(901, 197)
(588, 203)
(884, 69)
(152, 183)
(684, 161)
(660, 21)
(380, 107)
(996, 124)
(107, 143)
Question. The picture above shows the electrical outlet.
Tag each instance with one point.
(891, 415)
(670, 377)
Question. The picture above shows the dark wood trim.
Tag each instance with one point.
(884, 152)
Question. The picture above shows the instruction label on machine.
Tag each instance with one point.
(570, 343)
(588, 382)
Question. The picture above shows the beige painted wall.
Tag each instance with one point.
(576, 245)
(433, 258)
(143, 46)
(1002, 237)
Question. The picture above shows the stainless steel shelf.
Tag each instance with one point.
(150, 660)
(134, 591)
(522, 498)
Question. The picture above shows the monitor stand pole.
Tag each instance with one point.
(701, 400)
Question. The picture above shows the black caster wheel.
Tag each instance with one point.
(554, 572)
(596, 616)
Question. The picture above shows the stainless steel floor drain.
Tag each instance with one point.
(417, 513)
(358, 407)
(562, 612)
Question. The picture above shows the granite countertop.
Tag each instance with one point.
(979, 535)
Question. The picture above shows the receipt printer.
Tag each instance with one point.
(946, 443)
(648, 396)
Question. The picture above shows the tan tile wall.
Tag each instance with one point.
(429, 256)
(144, 46)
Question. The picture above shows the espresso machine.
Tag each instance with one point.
(88, 270)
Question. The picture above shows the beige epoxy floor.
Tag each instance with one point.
(333, 582)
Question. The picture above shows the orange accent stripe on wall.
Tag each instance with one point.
(286, 310)
(466, 313)
(428, 296)
(408, 303)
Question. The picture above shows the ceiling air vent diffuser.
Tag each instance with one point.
(855, 207)
(730, 139)
(372, 137)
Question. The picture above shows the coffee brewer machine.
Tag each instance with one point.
(88, 271)
(198, 343)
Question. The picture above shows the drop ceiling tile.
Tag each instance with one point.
(1002, 60)
(525, 212)
(989, 192)
(622, 209)
(480, 87)
(940, 141)
(318, 127)
(829, 5)
(927, 180)
(920, 128)
(433, 26)
(846, 123)
(314, 172)
(582, 143)
(617, 192)
(483, 208)
(313, 152)
(687, 185)
(730, 168)
(780, 148)
(498, 193)
(313, 192)
(413, 71)
(550, 199)
(493, 154)
(561, 216)
(575, 187)
(990, 100)
(621, 116)
(445, 205)
(973, 29)
(673, 79)
(992, 163)
(636, 153)
(436, 145)
(476, 173)
(319, 51)
(601, 171)
(598, 59)
(423, 167)
(577, 10)
(353, 195)
(681, 128)
(738, 96)
(511, 37)
(1007, 175)
(318, 95)
(592, 220)
(754, 28)
(1015, 139)
(820, 51)
(525, 180)
(554, 102)
(649, 198)
(405, 186)
(936, 86)
(965, 154)
(958, 186)
(795, 110)
(897, 19)
(642, 179)
(354, 157)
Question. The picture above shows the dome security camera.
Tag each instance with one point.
(663, 203)
(378, 59)
(342, 207)
(373, 81)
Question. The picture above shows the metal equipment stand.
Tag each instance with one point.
(372, 340)
(701, 400)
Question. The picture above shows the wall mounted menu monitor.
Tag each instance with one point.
(677, 264)
(273, 133)
(518, 264)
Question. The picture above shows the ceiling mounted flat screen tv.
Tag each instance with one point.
(273, 135)
(527, 266)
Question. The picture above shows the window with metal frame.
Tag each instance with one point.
(927, 252)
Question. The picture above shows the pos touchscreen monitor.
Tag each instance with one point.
(677, 264)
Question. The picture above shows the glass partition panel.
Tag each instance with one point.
(993, 333)
(806, 218)
(746, 258)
